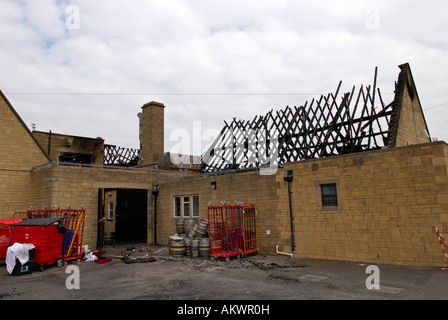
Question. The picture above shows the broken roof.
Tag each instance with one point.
(334, 124)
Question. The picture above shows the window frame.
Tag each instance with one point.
(177, 208)
(329, 197)
(194, 213)
(110, 211)
(186, 206)
(183, 206)
(328, 207)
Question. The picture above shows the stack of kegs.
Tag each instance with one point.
(190, 238)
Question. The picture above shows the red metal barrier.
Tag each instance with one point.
(74, 223)
(232, 231)
(249, 228)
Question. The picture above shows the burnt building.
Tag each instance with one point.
(346, 176)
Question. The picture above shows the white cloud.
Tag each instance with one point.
(204, 59)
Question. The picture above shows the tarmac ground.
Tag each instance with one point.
(145, 272)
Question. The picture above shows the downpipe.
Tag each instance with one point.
(285, 253)
(155, 194)
(289, 177)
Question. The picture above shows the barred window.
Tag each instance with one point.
(329, 195)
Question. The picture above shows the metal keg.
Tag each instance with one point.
(202, 228)
(204, 247)
(187, 247)
(188, 224)
(177, 246)
(195, 248)
(109, 238)
(199, 230)
(194, 231)
(180, 225)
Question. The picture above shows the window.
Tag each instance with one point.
(186, 206)
(177, 206)
(329, 195)
(182, 205)
(195, 200)
(110, 211)
(75, 157)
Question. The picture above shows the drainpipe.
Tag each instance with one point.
(279, 252)
(289, 177)
(155, 194)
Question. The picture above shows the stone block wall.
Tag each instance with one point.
(19, 152)
(388, 203)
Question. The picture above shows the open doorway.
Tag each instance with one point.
(123, 213)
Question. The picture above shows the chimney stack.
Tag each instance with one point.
(152, 133)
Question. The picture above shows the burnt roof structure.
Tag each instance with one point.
(332, 125)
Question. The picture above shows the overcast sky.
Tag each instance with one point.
(85, 67)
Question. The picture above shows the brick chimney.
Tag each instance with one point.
(152, 133)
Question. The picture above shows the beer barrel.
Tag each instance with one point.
(180, 225)
(202, 228)
(109, 238)
(204, 249)
(195, 248)
(194, 231)
(177, 246)
(199, 230)
(188, 224)
(187, 247)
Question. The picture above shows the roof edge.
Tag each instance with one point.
(8, 103)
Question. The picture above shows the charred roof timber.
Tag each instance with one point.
(331, 125)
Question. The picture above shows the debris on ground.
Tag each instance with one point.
(143, 253)
(138, 259)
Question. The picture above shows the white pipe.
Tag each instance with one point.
(276, 250)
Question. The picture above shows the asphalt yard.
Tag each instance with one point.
(144, 272)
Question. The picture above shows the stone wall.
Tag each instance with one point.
(388, 202)
(59, 186)
(19, 152)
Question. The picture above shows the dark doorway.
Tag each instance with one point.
(131, 216)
